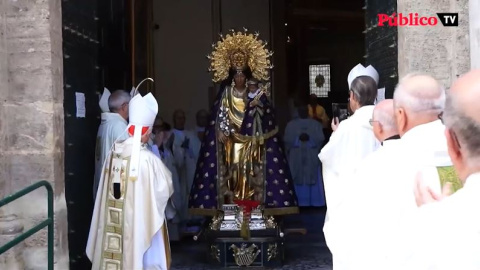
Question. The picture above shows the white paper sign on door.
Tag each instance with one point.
(80, 101)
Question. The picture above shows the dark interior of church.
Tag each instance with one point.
(113, 44)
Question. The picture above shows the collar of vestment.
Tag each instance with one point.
(363, 114)
(392, 138)
(473, 181)
(424, 130)
(126, 146)
(254, 94)
(178, 131)
(428, 140)
(109, 116)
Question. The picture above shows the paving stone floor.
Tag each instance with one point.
(302, 251)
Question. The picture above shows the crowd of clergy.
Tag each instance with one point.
(398, 176)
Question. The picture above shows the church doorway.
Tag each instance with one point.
(325, 40)
(116, 44)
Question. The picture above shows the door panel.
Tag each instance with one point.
(381, 44)
(95, 56)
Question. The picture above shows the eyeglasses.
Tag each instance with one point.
(440, 116)
(371, 121)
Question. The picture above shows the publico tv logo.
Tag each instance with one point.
(413, 19)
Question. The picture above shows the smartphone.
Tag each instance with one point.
(340, 111)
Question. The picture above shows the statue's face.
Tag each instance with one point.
(252, 87)
(240, 79)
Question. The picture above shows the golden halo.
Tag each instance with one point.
(238, 50)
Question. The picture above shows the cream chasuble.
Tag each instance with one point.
(129, 233)
(113, 127)
(383, 196)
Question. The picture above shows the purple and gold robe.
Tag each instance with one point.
(250, 165)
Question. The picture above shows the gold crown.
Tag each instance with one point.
(240, 50)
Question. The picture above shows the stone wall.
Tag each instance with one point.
(443, 52)
(474, 9)
(31, 123)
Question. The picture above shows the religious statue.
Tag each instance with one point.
(241, 159)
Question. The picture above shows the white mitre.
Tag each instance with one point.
(372, 72)
(357, 71)
(104, 100)
(142, 113)
(360, 70)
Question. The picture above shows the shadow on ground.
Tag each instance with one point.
(302, 251)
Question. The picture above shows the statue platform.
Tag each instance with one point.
(227, 248)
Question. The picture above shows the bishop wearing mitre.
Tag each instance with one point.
(128, 228)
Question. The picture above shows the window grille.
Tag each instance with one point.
(315, 71)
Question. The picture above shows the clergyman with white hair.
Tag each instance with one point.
(445, 229)
(383, 122)
(112, 127)
(418, 101)
(355, 214)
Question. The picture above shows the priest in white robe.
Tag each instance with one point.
(303, 140)
(128, 224)
(185, 159)
(351, 141)
(388, 185)
(162, 147)
(112, 127)
(350, 229)
(446, 230)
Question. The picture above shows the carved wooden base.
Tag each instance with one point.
(264, 249)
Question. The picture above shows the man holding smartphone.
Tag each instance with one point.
(351, 141)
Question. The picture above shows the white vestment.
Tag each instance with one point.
(129, 232)
(359, 209)
(303, 160)
(348, 146)
(380, 195)
(113, 127)
(186, 162)
(172, 209)
(443, 235)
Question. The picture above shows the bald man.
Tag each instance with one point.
(445, 230)
(383, 121)
(384, 187)
(360, 191)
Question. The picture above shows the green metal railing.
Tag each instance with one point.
(45, 223)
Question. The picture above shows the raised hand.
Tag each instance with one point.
(424, 194)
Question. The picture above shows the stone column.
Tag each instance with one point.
(10, 225)
(443, 52)
(474, 9)
(31, 117)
